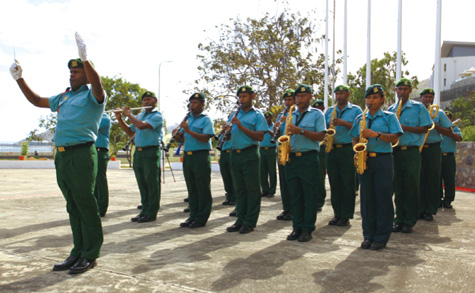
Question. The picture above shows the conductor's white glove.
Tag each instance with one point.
(81, 47)
(16, 70)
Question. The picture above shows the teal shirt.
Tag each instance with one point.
(348, 114)
(384, 122)
(104, 132)
(413, 114)
(226, 145)
(314, 121)
(149, 136)
(448, 145)
(254, 120)
(442, 120)
(79, 114)
(201, 124)
(267, 137)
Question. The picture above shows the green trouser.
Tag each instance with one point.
(76, 172)
(147, 173)
(101, 191)
(300, 173)
(322, 192)
(268, 171)
(197, 171)
(225, 170)
(430, 179)
(245, 171)
(447, 175)
(407, 171)
(284, 189)
(341, 173)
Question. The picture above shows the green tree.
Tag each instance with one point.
(383, 71)
(464, 108)
(272, 54)
(45, 130)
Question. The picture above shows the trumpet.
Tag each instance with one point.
(433, 110)
(120, 110)
(277, 130)
(167, 147)
(283, 150)
(331, 131)
(360, 147)
(225, 133)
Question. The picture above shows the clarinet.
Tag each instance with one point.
(228, 130)
(277, 130)
(126, 147)
(167, 147)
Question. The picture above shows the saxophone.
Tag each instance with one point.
(360, 147)
(283, 149)
(330, 137)
(398, 115)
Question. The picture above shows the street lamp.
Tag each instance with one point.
(159, 67)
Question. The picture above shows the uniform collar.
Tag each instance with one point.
(379, 113)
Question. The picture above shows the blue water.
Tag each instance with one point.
(31, 149)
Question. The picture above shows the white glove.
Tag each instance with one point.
(16, 70)
(81, 47)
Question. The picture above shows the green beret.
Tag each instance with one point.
(342, 88)
(149, 94)
(303, 88)
(245, 89)
(267, 113)
(449, 114)
(427, 91)
(77, 63)
(197, 96)
(318, 103)
(404, 82)
(374, 89)
(288, 93)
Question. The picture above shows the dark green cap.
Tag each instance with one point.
(288, 93)
(77, 63)
(427, 91)
(317, 103)
(303, 88)
(267, 113)
(245, 89)
(449, 114)
(149, 94)
(197, 96)
(404, 82)
(374, 89)
(342, 88)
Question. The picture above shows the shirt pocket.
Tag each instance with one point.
(410, 120)
(249, 121)
(79, 102)
(307, 125)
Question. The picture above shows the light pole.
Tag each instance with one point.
(159, 67)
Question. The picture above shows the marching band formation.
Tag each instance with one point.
(407, 150)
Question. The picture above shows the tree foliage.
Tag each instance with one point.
(383, 71)
(464, 108)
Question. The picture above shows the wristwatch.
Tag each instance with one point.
(379, 134)
(302, 131)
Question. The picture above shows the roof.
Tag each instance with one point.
(448, 45)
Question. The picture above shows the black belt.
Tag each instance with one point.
(300, 154)
(374, 155)
(147, 147)
(73, 147)
(245, 149)
(404, 148)
(445, 154)
(266, 148)
(342, 145)
(189, 153)
(428, 145)
(102, 149)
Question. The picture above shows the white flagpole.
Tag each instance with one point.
(368, 48)
(437, 54)
(345, 53)
(399, 40)
(325, 98)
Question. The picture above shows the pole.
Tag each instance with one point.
(325, 98)
(345, 53)
(334, 51)
(399, 40)
(437, 54)
(368, 47)
(159, 69)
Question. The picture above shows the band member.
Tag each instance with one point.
(101, 190)
(79, 111)
(448, 169)
(307, 130)
(286, 215)
(147, 128)
(380, 130)
(268, 154)
(196, 135)
(225, 170)
(340, 160)
(322, 160)
(415, 121)
(249, 127)
(432, 159)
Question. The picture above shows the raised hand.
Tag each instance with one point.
(81, 47)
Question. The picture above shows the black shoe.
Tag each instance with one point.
(281, 216)
(270, 195)
(405, 228)
(139, 207)
(65, 265)
(234, 228)
(366, 244)
(422, 216)
(333, 221)
(245, 229)
(377, 246)
(102, 215)
(447, 205)
(185, 199)
(428, 217)
(225, 203)
(319, 209)
(145, 219)
(287, 217)
(136, 218)
(305, 236)
(232, 214)
(82, 265)
(294, 235)
(397, 227)
(196, 225)
(441, 204)
(186, 223)
(232, 203)
(264, 194)
(343, 222)
(187, 210)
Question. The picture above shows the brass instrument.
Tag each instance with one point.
(330, 136)
(167, 147)
(277, 130)
(360, 147)
(398, 115)
(226, 133)
(283, 150)
(433, 111)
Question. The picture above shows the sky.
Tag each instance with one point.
(130, 39)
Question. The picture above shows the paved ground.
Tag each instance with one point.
(160, 257)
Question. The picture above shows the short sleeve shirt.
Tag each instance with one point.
(312, 120)
(201, 124)
(104, 132)
(254, 120)
(348, 114)
(148, 136)
(442, 120)
(267, 137)
(448, 145)
(413, 114)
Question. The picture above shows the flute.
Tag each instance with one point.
(167, 147)
(120, 110)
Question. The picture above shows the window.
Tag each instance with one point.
(445, 67)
